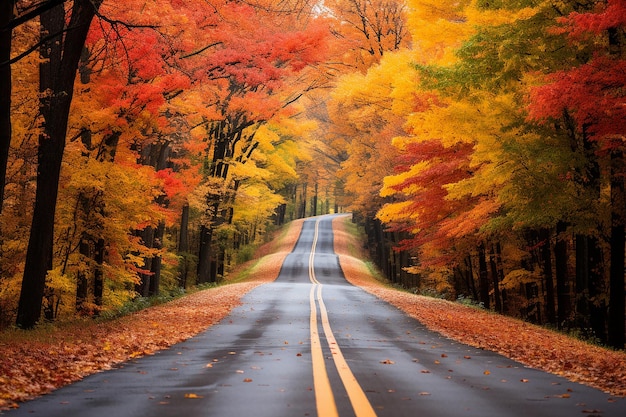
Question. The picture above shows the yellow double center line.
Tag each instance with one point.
(324, 398)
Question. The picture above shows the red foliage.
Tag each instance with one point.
(610, 14)
(592, 93)
(447, 165)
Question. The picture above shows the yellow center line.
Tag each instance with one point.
(324, 397)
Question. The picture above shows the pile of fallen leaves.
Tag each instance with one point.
(529, 344)
(36, 362)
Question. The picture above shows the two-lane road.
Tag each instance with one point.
(310, 344)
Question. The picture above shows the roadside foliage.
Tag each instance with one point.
(480, 144)
(506, 185)
(177, 153)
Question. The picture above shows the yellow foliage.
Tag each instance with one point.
(437, 28)
(517, 277)
(391, 181)
(485, 17)
(391, 212)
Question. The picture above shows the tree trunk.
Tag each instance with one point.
(155, 268)
(495, 278)
(590, 310)
(57, 74)
(82, 280)
(183, 246)
(469, 275)
(204, 255)
(546, 255)
(314, 201)
(98, 274)
(302, 210)
(7, 8)
(183, 238)
(617, 316)
(143, 287)
(483, 280)
(564, 302)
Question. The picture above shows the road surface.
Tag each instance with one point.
(310, 344)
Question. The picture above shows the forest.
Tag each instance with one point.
(148, 147)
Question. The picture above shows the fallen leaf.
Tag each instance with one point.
(387, 362)
(424, 393)
(247, 380)
(487, 372)
(192, 395)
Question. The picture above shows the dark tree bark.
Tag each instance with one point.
(564, 302)
(617, 316)
(204, 255)
(546, 255)
(61, 55)
(6, 16)
(590, 312)
(483, 277)
(183, 238)
(82, 280)
(495, 278)
(469, 274)
(98, 274)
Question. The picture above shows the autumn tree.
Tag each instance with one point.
(367, 29)
(588, 99)
(7, 11)
(247, 65)
(62, 45)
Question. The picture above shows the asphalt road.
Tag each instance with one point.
(310, 344)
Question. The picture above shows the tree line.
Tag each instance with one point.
(479, 143)
(486, 158)
(146, 146)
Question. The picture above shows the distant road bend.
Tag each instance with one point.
(311, 344)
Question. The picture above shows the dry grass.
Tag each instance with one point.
(529, 344)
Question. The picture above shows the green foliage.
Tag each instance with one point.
(245, 253)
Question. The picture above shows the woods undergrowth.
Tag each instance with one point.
(37, 361)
